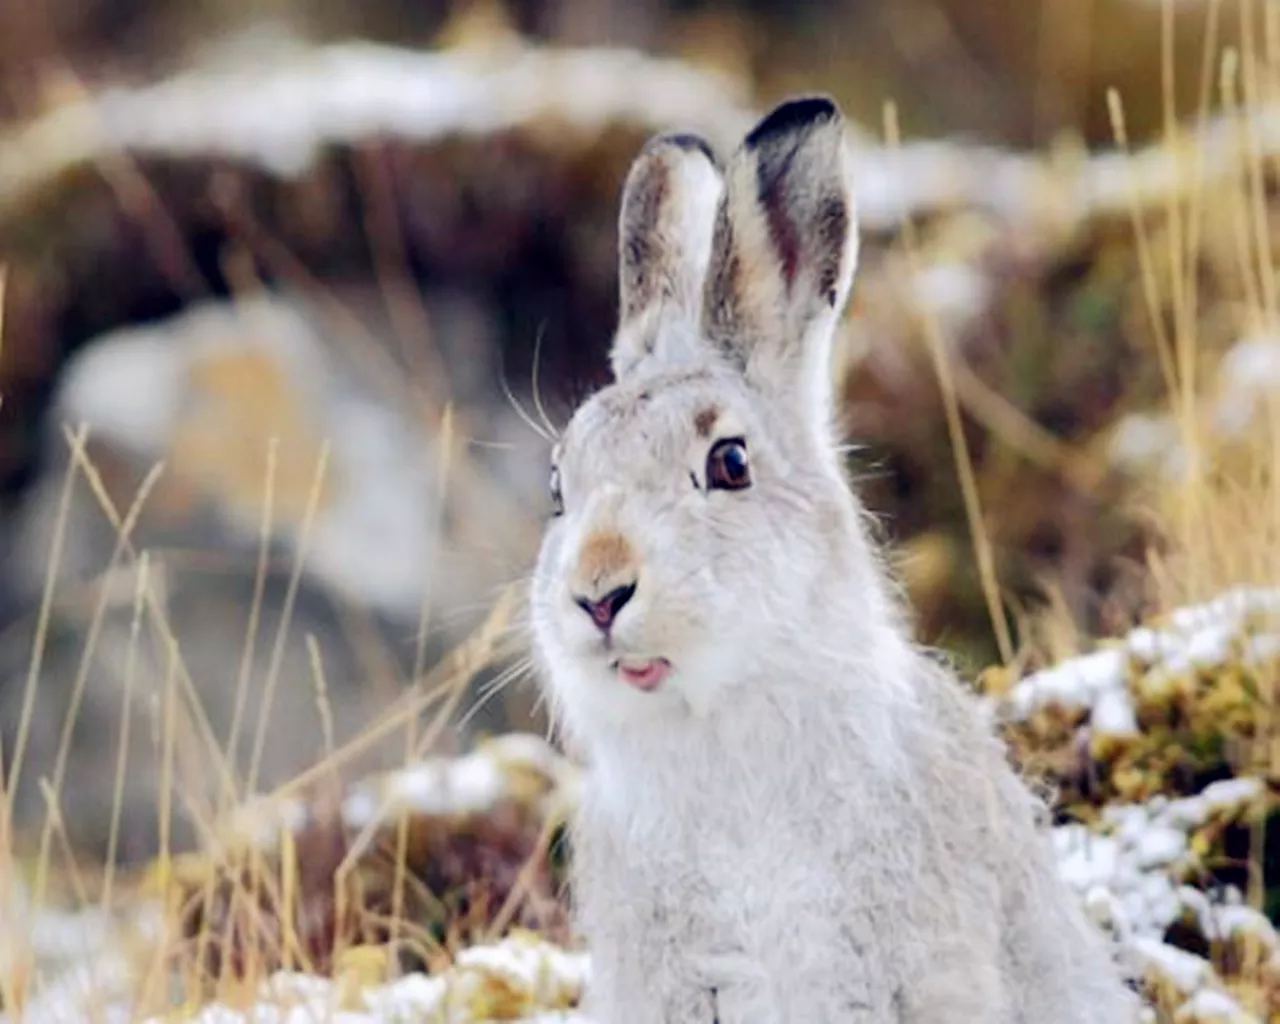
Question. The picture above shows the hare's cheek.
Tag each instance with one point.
(549, 575)
(556, 609)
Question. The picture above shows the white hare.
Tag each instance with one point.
(791, 815)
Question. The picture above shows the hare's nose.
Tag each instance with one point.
(605, 609)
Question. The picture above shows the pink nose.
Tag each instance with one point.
(604, 610)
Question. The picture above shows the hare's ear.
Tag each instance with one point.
(668, 211)
(783, 252)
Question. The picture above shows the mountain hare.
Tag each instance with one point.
(791, 815)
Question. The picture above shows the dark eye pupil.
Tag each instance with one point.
(735, 462)
(727, 466)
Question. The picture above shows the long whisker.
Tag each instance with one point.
(537, 392)
(493, 688)
(520, 411)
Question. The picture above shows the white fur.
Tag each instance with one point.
(809, 821)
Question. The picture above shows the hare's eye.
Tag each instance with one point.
(727, 466)
(557, 499)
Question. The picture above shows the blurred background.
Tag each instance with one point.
(343, 267)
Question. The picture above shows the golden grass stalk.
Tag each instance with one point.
(942, 365)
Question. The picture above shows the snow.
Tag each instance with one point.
(532, 971)
(1075, 683)
(1114, 714)
(1199, 637)
(1188, 972)
(279, 114)
(524, 969)
(954, 292)
(1247, 378)
(1210, 1006)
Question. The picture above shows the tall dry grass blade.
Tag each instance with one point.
(323, 708)
(53, 811)
(43, 618)
(1168, 95)
(286, 617)
(168, 733)
(1254, 163)
(1186, 262)
(124, 731)
(265, 527)
(1142, 242)
(523, 885)
(1181, 259)
(445, 447)
(1167, 348)
(1271, 48)
(964, 462)
(1229, 88)
(72, 711)
(195, 721)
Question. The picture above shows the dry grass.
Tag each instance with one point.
(260, 896)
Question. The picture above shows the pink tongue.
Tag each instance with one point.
(645, 676)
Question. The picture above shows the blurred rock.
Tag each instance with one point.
(393, 534)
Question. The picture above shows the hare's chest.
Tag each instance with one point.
(759, 880)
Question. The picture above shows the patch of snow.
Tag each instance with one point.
(1187, 972)
(1075, 683)
(1248, 373)
(1212, 1006)
(1114, 714)
(954, 292)
(1197, 637)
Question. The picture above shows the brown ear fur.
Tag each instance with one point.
(665, 224)
(784, 248)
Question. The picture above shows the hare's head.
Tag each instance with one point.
(704, 535)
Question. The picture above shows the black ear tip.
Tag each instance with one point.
(793, 116)
(686, 141)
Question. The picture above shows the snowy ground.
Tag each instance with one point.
(1133, 869)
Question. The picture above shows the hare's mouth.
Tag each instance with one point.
(644, 674)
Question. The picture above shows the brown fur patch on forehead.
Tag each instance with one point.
(705, 420)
